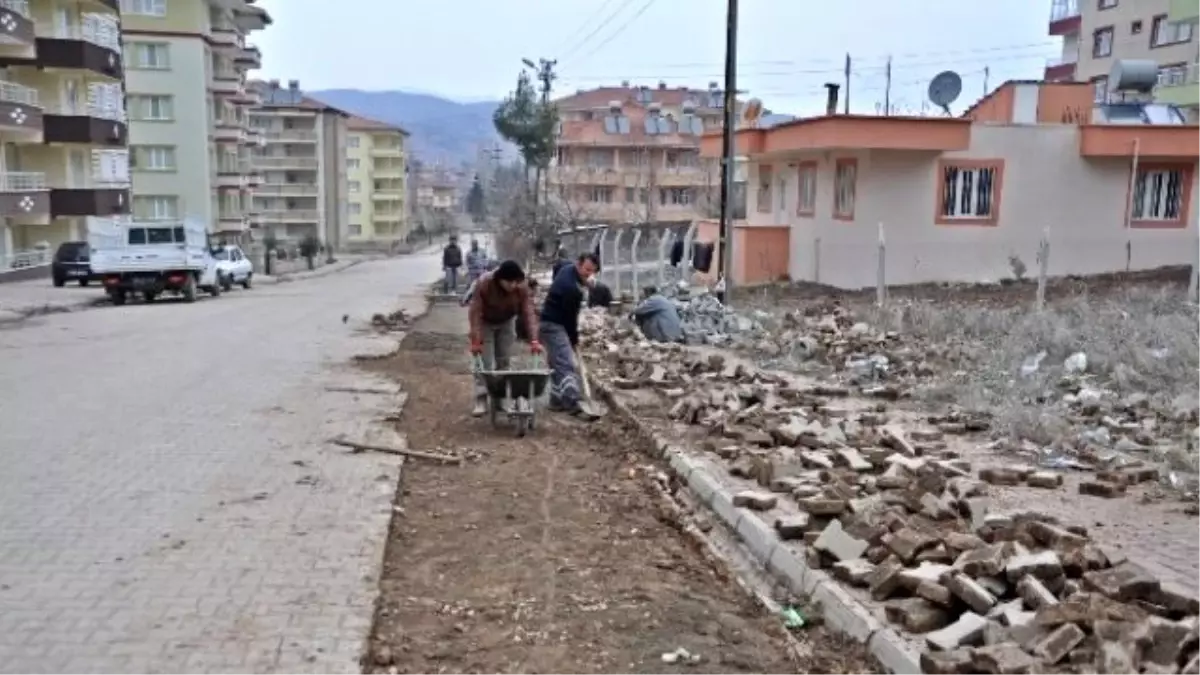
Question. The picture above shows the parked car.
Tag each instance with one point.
(72, 262)
(233, 267)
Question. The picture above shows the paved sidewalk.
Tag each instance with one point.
(168, 499)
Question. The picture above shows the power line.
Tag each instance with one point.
(621, 28)
(597, 29)
(583, 26)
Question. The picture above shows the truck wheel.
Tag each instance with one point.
(189, 289)
(215, 289)
(226, 282)
(117, 296)
(246, 282)
(83, 282)
(149, 297)
(59, 282)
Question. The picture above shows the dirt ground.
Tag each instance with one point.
(549, 554)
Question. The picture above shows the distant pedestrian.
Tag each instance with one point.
(452, 260)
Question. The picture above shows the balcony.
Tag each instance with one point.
(682, 176)
(19, 38)
(225, 35)
(1179, 86)
(1064, 17)
(385, 195)
(290, 136)
(296, 162)
(20, 112)
(228, 131)
(229, 213)
(288, 189)
(396, 151)
(247, 96)
(1061, 68)
(389, 216)
(226, 81)
(229, 176)
(94, 44)
(585, 175)
(24, 193)
(94, 201)
(291, 216)
(87, 125)
(249, 57)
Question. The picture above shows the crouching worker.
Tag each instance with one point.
(559, 331)
(657, 317)
(499, 297)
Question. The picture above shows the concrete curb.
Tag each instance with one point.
(842, 611)
(301, 275)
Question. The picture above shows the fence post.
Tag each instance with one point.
(598, 244)
(633, 260)
(881, 271)
(664, 249)
(1043, 267)
(1194, 278)
(816, 260)
(616, 262)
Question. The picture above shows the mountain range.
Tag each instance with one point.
(441, 130)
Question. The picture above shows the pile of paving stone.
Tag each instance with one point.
(896, 514)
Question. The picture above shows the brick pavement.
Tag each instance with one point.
(168, 503)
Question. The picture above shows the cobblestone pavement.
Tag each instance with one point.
(167, 499)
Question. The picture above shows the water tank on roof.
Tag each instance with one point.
(1133, 75)
(654, 107)
(614, 106)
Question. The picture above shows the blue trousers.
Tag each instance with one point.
(450, 283)
(565, 386)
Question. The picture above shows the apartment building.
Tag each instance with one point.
(436, 198)
(631, 154)
(377, 185)
(303, 164)
(62, 124)
(1097, 33)
(190, 138)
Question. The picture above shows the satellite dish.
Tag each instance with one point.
(945, 89)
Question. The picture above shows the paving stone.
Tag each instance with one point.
(856, 572)
(1127, 581)
(946, 663)
(994, 585)
(1000, 476)
(935, 593)
(967, 630)
(985, 561)
(969, 591)
(758, 501)
(1044, 479)
(1004, 658)
(822, 507)
(1176, 598)
(1102, 489)
(835, 541)
(1117, 658)
(1055, 646)
(793, 526)
(1192, 667)
(1041, 565)
(1053, 536)
(916, 615)
(962, 541)
(853, 459)
(1034, 593)
(886, 579)
(928, 571)
(908, 542)
(1166, 641)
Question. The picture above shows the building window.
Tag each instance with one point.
(675, 196)
(845, 185)
(1100, 89)
(1102, 43)
(355, 209)
(353, 141)
(806, 181)
(600, 195)
(763, 195)
(352, 163)
(1171, 75)
(1164, 32)
(355, 230)
(969, 192)
(354, 186)
(144, 7)
(151, 108)
(1106, 4)
(1135, 27)
(154, 207)
(149, 55)
(1160, 197)
(153, 157)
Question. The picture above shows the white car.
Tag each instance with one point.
(233, 267)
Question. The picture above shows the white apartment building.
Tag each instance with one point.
(303, 165)
(190, 137)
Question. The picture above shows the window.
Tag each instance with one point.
(599, 158)
(355, 230)
(148, 108)
(352, 163)
(153, 157)
(1135, 27)
(845, 182)
(354, 186)
(144, 7)
(675, 196)
(353, 141)
(155, 207)
(1172, 75)
(1164, 32)
(1106, 4)
(600, 195)
(1100, 89)
(970, 192)
(806, 180)
(355, 209)
(149, 55)
(1102, 43)
(1160, 196)
(764, 189)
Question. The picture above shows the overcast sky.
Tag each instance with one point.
(472, 49)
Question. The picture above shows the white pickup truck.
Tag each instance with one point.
(152, 258)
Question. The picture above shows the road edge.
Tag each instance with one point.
(842, 612)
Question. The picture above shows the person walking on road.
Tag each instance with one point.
(477, 261)
(559, 330)
(452, 259)
(499, 298)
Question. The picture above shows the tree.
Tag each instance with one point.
(475, 202)
(528, 123)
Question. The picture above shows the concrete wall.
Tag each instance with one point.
(332, 178)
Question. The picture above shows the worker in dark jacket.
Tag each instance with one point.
(452, 259)
(559, 330)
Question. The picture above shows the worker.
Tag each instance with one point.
(500, 297)
(657, 317)
(559, 331)
(477, 261)
(452, 259)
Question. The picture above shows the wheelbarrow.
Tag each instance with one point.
(514, 393)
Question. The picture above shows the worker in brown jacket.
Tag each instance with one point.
(499, 297)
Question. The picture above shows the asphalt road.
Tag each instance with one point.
(167, 498)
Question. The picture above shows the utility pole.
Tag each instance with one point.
(887, 90)
(544, 70)
(987, 73)
(725, 263)
(846, 103)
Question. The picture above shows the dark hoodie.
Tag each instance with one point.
(563, 301)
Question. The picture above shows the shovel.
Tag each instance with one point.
(587, 407)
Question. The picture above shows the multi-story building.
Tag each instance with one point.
(436, 199)
(62, 123)
(303, 164)
(377, 168)
(631, 154)
(190, 138)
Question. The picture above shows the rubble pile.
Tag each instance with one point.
(897, 514)
(393, 321)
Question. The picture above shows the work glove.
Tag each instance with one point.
(476, 347)
(535, 347)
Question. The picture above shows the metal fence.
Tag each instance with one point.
(634, 257)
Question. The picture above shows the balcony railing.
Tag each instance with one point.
(299, 215)
(100, 112)
(11, 92)
(1178, 75)
(299, 189)
(286, 162)
(290, 135)
(1062, 60)
(22, 181)
(1063, 9)
(17, 7)
(97, 29)
(229, 213)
